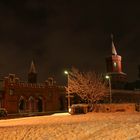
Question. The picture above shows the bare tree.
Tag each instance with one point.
(89, 86)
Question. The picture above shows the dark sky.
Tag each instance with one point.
(58, 34)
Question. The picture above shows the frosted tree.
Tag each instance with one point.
(89, 86)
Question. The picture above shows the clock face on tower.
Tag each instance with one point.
(115, 64)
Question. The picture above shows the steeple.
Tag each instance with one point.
(32, 75)
(114, 68)
(114, 52)
(32, 68)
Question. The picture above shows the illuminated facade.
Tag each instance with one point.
(31, 97)
(114, 69)
(122, 91)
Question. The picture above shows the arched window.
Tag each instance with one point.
(40, 104)
(31, 104)
(22, 104)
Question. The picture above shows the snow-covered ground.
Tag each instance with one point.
(91, 126)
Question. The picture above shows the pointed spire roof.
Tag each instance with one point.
(114, 52)
(32, 68)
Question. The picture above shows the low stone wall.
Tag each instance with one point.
(130, 107)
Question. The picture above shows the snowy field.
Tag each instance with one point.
(92, 126)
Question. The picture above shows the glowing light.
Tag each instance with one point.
(66, 72)
(115, 64)
(107, 77)
(69, 110)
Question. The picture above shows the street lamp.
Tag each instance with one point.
(67, 73)
(109, 80)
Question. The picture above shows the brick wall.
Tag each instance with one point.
(114, 108)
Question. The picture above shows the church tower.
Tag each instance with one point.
(114, 68)
(32, 75)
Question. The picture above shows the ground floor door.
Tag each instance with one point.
(22, 105)
(40, 105)
(31, 105)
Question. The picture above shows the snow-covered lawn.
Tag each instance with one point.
(91, 126)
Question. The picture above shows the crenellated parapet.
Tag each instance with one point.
(12, 81)
(26, 85)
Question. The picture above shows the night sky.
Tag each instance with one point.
(58, 34)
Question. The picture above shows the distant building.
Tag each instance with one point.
(31, 97)
(122, 91)
(114, 69)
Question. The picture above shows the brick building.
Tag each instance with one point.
(31, 97)
(114, 69)
(122, 91)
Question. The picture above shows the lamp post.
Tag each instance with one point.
(110, 93)
(67, 73)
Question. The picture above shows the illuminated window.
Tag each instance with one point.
(115, 64)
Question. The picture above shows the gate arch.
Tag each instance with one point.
(22, 104)
(31, 104)
(40, 104)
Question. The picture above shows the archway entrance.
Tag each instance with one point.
(31, 104)
(22, 104)
(40, 105)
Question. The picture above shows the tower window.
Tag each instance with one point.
(115, 64)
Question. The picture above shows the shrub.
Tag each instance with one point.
(3, 112)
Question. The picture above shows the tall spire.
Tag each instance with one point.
(32, 75)
(32, 68)
(114, 52)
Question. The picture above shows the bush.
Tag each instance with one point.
(3, 112)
